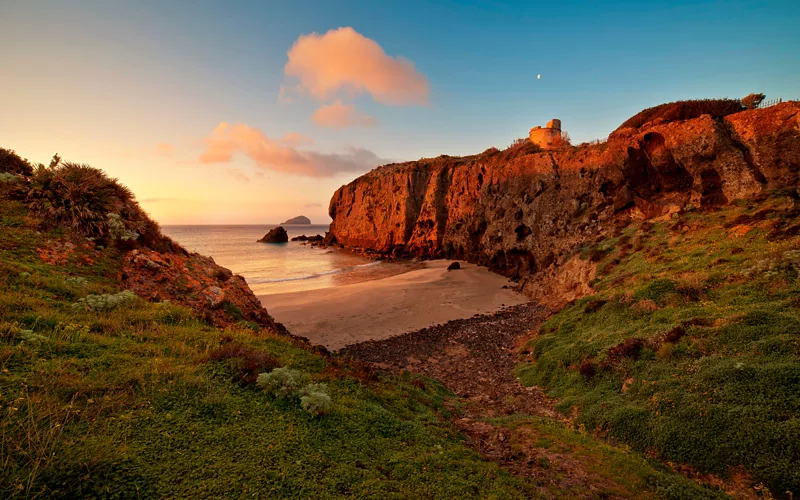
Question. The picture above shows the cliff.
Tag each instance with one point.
(524, 213)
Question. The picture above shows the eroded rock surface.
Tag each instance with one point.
(193, 280)
(524, 214)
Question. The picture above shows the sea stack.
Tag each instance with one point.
(277, 235)
(300, 219)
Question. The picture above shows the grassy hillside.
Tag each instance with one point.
(103, 394)
(146, 400)
(689, 350)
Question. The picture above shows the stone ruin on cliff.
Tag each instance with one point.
(548, 136)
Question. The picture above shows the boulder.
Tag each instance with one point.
(454, 266)
(277, 235)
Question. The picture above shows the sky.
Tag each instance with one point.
(251, 112)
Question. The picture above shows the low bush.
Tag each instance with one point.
(105, 302)
(10, 162)
(282, 382)
(244, 363)
(291, 384)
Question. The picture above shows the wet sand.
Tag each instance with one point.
(379, 309)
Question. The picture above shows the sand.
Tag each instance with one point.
(379, 309)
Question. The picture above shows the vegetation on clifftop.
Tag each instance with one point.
(684, 110)
(689, 350)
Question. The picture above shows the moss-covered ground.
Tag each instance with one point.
(690, 349)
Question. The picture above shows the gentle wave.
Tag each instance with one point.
(260, 281)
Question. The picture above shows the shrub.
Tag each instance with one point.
(117, 230)
(81, 197)
(684, 110)
(316, 403)
(282, 382)
(8, 178)
(105, 302)
(244, 362)
(286, 383)
(11, 163)
(752, 101)
(76, 281)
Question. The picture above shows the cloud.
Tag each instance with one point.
(338, 115)
(237, 174)
(295, 139)
(312, 205)
(343, 60)
(268, 154)
(165, 149)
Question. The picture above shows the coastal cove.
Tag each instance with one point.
(378, 309)
(334, 297)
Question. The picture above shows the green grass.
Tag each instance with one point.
(727, 393)
(130, 402)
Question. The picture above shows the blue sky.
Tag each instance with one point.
(104, 82)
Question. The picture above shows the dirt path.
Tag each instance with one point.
(475, 358)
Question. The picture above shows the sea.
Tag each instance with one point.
(271, 268)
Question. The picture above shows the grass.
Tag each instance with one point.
(693, 358)
(146, 400)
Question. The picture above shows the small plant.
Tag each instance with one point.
(7, 178)
(118, 231)
(76, 281)
(243, 361)
(787, 263)
(286, 383)
(316, 403)
(105, 302)
(282, 382)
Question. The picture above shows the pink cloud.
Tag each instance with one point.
(344, 60)
(295, 139)
(338, 115)
(268, 154)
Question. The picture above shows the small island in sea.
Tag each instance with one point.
(300, 219)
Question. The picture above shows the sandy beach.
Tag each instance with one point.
(378, 309)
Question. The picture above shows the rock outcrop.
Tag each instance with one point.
(195, 281)
(300, 219)
(524, 214)
(313, 239)
(277, 235)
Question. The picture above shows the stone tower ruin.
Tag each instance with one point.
(545, 137)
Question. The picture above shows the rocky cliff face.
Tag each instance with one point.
(525, 214)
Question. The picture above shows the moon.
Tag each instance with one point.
(539, 77)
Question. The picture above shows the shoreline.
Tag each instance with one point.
(381, 308)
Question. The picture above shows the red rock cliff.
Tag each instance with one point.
(522, 213)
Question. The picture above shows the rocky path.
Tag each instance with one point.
(475, 358)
